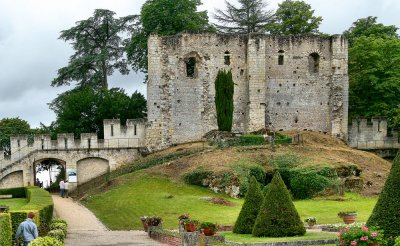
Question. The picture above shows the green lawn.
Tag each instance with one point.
(140, 194)
(14, 203)
(229, 236)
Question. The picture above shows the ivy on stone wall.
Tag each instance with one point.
(224, 89)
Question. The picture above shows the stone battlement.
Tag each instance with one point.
(372, 133)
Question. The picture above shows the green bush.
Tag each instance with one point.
(224, 89)
(248, 214)
(196, 177)
(58, 220)
(15, 192)
(57, 234)
(397, 241)
(251, 139)
(244, 173)
(278, 216)
(59, 226)
(306, 183)
(45, 241)
(386, 213)
(5, 229)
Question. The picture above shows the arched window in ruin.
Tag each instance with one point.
(281, 57)
(313, 63)
(227, 58)
(191, 67)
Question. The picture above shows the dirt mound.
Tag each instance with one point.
(219, 201)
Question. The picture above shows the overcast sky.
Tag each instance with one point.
(31, 53)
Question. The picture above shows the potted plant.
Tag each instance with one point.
(181, 219)
(208, 228)
(148, 221)
(311, 221)
(348, 217)
(361, 236)
(190, 225)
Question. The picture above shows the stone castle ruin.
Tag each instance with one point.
(281, 82)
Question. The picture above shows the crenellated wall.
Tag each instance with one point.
(284, 82)
(372, 134)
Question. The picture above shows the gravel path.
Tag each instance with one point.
(84, 229)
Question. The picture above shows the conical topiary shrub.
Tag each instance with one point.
(251, 206)
(224, 89)
(386, 213)
(278, 216)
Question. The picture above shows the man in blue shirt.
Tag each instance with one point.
(27, 229)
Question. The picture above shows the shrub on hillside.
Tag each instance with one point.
(251, 206)
(386, 213)
(5, 229)
(45, 241)
(244, 173)
(306, 183)
(251, 139)
(278, 216)
(196, 177)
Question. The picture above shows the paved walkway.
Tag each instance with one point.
(84, 229)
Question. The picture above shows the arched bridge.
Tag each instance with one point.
(83, 159)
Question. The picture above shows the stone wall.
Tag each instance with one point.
(372, 134)
(286, 83)
(11, 180)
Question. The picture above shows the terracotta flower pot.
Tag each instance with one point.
(349, 218)
(208, 232)
(191, 227)
(311, 224)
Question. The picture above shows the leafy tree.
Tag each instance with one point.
(164, 17)
(386, 213)
(224, 89)
(50, 165)
(295, 17)
(250, 16)
(374, 71)
(278, 216)
(251, 206)
(83, 109)
(99, 49)
(10, 127)
(367, 27)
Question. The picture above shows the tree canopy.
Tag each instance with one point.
(164, 17)
(83, 110)
(295, 17)
(99, 49)
(250, 16)
(374, 70)
(10, 127)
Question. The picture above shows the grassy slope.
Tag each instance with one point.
(14, 203)
(138, 194)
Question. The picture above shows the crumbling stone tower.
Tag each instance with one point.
(284, 82)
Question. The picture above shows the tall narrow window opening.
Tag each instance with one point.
(227, 58)
(18, 143)
(89, 143)
(134, 129)
(191, 67)
(281, 57)
(66, 143)
(112, 130)
(313, 61)
(42, 140)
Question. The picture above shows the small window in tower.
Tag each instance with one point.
(112, 130)
(281, 57)
(227, 58)
(191, 67)
(134, 130)
(313, 62)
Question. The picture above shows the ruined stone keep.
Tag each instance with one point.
(292, 82)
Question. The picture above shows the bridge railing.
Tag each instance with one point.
(377, 144)
(54, 145)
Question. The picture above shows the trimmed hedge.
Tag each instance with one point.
(5, 229)
(45, 241)
(19, 216)
(57, 234)
(39, 199)
(251, 206)
(386, 213)
(306, 183)
(15, 192)
(251, 139)
(278, 216)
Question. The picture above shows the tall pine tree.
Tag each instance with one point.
(224, 89)
(278, 216)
